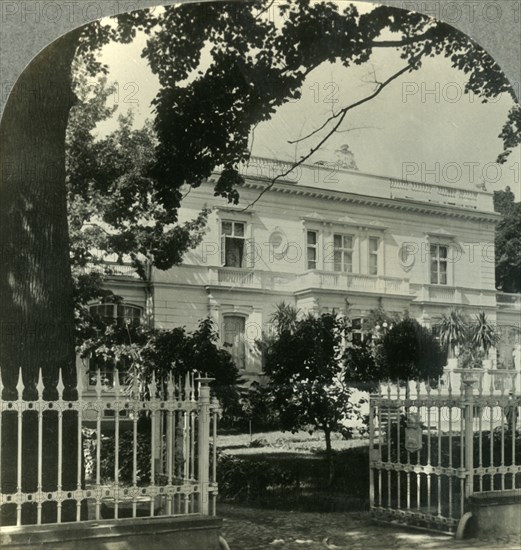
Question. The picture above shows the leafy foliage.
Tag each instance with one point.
(511, 133)
(410, 352)
(256, 65)
(115, 205)
(483, 334)
(453, 328)
(470, 357)
(240, 479)
(308, 383)
(257, 408)
(508, 242)
(164, 352)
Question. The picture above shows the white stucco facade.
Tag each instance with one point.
(328, 239)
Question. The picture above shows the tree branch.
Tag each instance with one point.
(341, 114)
(429, 33)
(267, 8)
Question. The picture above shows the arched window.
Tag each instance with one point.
(122, 315)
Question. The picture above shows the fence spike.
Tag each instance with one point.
(153, 386)
(449, 376)
(98, 384)
(418, 389)
(134, 390)
(40, 385)
(60, 387)
(187, 386)
(116, 381)
(20, 384)
(170, 388)
(428, 386)
(79, 386)
(1, 385)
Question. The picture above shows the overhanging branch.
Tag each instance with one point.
(341, 116)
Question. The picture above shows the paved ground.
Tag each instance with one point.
(256, 529)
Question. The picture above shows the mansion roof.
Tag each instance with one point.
(339, 184)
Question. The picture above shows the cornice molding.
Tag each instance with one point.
(398, 204)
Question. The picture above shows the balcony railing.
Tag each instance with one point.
(335, 178)
(509, 300)
(350, 281)
(291, 282)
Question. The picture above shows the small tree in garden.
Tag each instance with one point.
(304, 362)
(409, 351)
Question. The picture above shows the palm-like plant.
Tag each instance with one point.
(284, 318)
(453, 329)
(483, 333)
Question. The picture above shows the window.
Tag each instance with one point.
(234, 339)
(312, 249)
(438, 255)
(356, 331)
(374, 243)
(122, 315)
(233, 244)
(343, 253)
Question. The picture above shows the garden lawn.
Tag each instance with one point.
(299, 461)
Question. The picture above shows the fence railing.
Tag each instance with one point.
(431, 449)
(155, 455)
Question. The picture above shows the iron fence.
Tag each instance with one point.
(432, 447)
(133, 456)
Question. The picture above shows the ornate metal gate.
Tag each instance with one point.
(432, 448)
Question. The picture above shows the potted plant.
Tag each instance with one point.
(470, 362)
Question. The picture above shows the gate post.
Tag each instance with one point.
(203, 442)
(469, 437)
(371, 452)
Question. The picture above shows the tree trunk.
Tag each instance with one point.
(329, 457)
(36, 300)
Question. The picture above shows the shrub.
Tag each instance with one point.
(125, 455)
(241, 479)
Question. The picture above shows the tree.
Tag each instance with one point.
(411, 352)
(143, 352)
(194, 136)
(113, 199)
(306, 377)
(508, 242)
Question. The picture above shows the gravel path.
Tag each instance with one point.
(257, 529)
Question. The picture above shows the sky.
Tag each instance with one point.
(422, 127)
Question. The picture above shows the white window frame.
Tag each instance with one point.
(344, 250)
(312, 247)
(438, 260)
(235, 315)
(373, 254)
